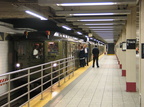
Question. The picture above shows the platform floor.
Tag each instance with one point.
(97, 87)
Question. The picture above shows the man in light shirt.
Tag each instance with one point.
(86, 54)
(36, 52)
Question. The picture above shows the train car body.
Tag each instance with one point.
(34, 48)
(37, 48)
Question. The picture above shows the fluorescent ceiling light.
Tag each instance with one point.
(101, 24)
(103, 27)
(86, 4)
(86, 36)
(97, 20)
(90, 14)
(106, 31)
(36, 15)
(79, 33)
(65, 27)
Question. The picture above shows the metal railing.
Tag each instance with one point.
(35, 79)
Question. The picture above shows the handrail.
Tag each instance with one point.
(16, 71)
(42, 74)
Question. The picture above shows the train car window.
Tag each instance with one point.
(53, 47)
(21, 48)
(38, 50)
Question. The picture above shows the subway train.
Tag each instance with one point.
(34, 48)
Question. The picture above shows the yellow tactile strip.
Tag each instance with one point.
(48, 95)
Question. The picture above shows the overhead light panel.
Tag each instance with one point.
(100, 24)
(79, 33)
(106, 31)
(105, 18)
(36, 15)
(65, 27)
(91, 14)
(86, 4)
(102, 27)
(97, 20)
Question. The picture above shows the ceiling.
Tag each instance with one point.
(106, 24)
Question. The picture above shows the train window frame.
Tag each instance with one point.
(54, 48)
(37, 50)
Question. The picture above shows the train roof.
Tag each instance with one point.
(41, 35)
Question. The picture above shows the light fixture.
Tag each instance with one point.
(79, 33)
(100, 24)
(36, 15)
(106, 31)
(103, 27)
(106, 18)
(96, 20)
(55, 64)
(65, 27)
(86, 4)
(86, 35)
(91, 14)
(18, 65)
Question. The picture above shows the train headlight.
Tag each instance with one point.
(18, 65)
(55, 64)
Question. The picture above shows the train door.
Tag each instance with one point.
(62, 49)
(21, 54)
(68, 49)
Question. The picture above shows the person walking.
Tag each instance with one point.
(95, 53)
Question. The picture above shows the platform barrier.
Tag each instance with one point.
(23, 83)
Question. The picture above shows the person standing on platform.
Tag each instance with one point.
(86, 54)
(82, 57)
(95, 53)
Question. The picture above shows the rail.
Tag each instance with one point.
(35, 79)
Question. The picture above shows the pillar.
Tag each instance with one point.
(141, 60)
(130, 52)
(123, 53)
(120, 52)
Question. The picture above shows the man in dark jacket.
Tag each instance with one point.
(95, 53)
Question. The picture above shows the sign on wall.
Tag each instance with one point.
(124, 46)
(142, 50)
(131, 43)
